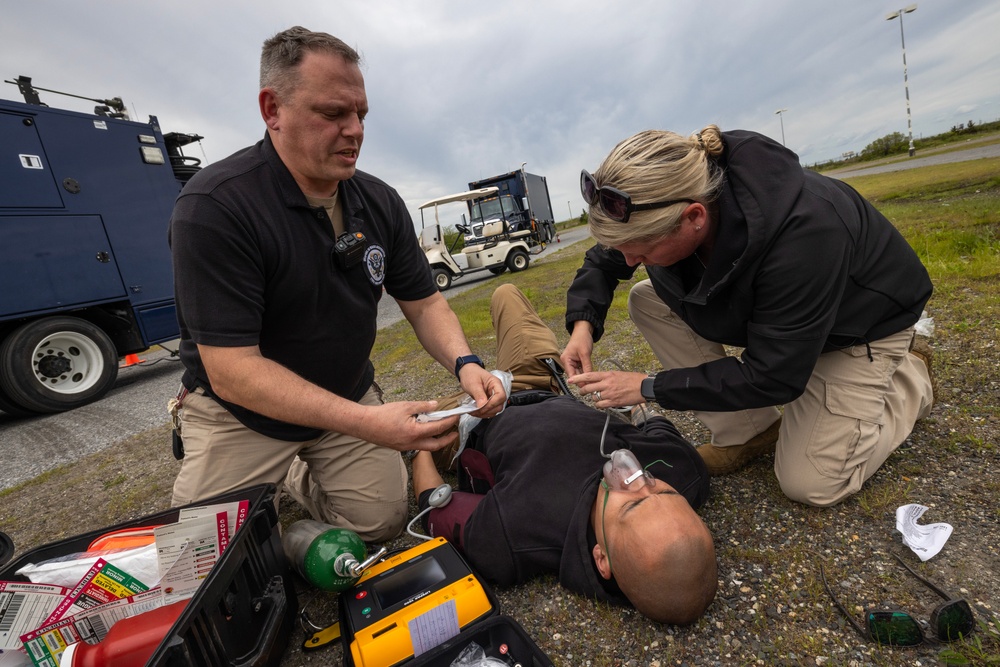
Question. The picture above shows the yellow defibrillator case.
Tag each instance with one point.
(409, 603)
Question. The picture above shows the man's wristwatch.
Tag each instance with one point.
(468, 359)
(647, 389)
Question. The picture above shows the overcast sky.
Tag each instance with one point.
(465, 90)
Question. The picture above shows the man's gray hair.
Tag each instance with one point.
(281, 55)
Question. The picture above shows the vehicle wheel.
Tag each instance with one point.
(56, 364)
(517, 260)
(442, 278)
(546, 234)
(11, 408)
(497, 270)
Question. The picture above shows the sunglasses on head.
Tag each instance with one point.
(950, 620)
(616, 204)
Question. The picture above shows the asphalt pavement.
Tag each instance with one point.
(941, 155)
(137, 402)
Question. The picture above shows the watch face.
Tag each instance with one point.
(647, 389)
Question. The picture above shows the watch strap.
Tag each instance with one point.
(647, 388)
(467, 359)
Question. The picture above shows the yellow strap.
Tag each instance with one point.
(321, 638)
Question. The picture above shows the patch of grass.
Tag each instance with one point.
(879, 499)
(114, 481)
(975, 443)
(954, 226)
(933, 183)
(981, 648)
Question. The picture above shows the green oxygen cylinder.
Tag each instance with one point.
(329, 558)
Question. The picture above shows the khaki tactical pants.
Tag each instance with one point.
(341, 480)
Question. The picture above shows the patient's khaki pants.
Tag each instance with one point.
(854, 412)
(523, 340)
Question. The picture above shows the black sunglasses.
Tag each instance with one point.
(616, 204)
(950, 620)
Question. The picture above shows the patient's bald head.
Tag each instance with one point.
(658, 550)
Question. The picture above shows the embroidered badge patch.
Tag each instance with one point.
(375, 264)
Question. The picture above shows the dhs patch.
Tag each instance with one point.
(375, 264)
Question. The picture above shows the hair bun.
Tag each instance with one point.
(710, 140)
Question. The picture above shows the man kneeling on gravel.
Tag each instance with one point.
(551, 485)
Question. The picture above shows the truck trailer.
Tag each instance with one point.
(85, 201)
(522, 201)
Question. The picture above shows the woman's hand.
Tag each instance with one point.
(611, 389)
(576, 357)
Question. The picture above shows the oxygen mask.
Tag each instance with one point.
(623, 472)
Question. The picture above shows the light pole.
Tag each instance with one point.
(906, 85)
(782, 119)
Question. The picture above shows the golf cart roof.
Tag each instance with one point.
(462, 196)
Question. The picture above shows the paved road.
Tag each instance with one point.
(137, 402)
(899, 164)
(33, 445)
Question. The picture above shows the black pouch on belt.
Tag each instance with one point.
(529, 397)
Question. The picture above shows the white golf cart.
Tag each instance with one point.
(498, 250)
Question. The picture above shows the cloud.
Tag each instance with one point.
(460, 91)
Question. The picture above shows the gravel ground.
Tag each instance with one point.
(771, 608)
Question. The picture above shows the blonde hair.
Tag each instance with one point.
(652, 166)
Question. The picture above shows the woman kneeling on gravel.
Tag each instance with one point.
(744, 247)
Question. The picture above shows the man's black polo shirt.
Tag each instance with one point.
(253, 265)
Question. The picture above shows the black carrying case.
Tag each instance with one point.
(6, 548)
(493, 634)
(244, 611)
